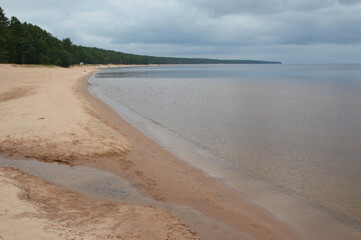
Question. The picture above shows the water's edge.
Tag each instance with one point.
(313, 221)
(307, 218)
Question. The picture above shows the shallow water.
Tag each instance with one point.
(82, 179)
(287, 134)
(107, 186)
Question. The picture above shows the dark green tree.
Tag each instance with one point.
(45, 60)
(65, 58)
(67, 44)
(4, 37)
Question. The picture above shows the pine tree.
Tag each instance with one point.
(4, 36)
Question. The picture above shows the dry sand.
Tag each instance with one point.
(48, 114)
(42, 116)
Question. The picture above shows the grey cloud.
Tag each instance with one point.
(329, 25)
(198, 27)
(349, 2)
(333, 26)
(220, 8)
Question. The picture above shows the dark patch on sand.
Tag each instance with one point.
(15, 93)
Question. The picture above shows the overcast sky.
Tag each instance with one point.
(292, 31)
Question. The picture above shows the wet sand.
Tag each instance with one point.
(32, 208)
(48, 114)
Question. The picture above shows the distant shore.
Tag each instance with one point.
(48, 114)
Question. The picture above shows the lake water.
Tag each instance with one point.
(286, 137)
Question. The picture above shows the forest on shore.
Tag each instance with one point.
(24, 43)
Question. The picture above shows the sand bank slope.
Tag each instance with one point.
(43, 117)
(31, 208)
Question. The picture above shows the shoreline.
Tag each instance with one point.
(148, 167)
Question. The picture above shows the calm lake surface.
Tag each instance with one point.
(287, 137)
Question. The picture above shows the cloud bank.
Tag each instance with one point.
(290, 31)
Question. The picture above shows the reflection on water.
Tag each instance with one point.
(82, 179)
(295, 127)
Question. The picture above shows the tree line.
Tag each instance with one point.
(24, 43)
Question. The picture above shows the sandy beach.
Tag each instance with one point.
(47, 113)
